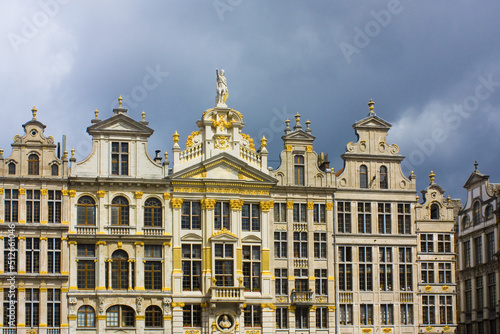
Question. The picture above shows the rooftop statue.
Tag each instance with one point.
(222, 92)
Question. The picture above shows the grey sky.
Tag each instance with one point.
(432, 68)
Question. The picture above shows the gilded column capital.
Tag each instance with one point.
(236, 204)
(22, 191)
(329, 206)
(265, 206)
(43, 192)
(208, 203)
(138, 194)
(100, 193)
(1, 191)
(166, 196)
(289, 204)
(101, 243)
(72, 193)
(177, 203)
(309, 149)
(138, 243)
(310, 205)
(64, 192)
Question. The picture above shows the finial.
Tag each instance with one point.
(65, 154)
(297, 122)
(34, 111)
(96, 112)
(432, 176)
(166, 155)
(370, 106)
(120, 99)
(308, 126)
(176, 137)
(72, 153)
(263, 141)
(448, 199)
(475, 165)
(287, 128)
(412, 172)
(1, 151)
(143, 115)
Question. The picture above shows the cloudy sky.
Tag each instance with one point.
(433, 70)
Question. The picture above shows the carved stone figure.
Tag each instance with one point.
(222, 91)
(225, 323)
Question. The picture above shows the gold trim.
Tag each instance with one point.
(138, 194)
(100, 193)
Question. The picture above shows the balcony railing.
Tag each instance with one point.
(299, 297)
(9, 331)
(86, 229)
(119, 229)
(53, 331)
(300, 227)
(152, 230)
(406, 297)
(345, 297)
(226, 294)
(301, 263)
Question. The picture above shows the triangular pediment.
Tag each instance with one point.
(299, 135)
(372, 121)
(224, 167)
(224, 235)
(120, 124)
(475, 177)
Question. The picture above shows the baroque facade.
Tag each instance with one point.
(479, 261)
(217, 241)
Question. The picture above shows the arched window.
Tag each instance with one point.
(33, 164)
(465, 222)
(86, 316)
(384, 184)
(476, 214)
(154, 317)
(12, 168)
(298, 161)
(120, 316)
(363, 176)
(434, 211)
(119, 211)
(85, 211)
(152, 213)
(489, 211)
(119, 270)
(54, 169)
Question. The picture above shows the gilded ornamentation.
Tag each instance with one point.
(289, 205)
(366, 330)
(190, 138)
(428, 288)
(224, 231)
(72, 193)
(445, 288)
(281, 299)
(329, 206)
(309, 149)
(428, 328)
(175, 136)
(249, 139)
(101, 193)
(310, 205)
(280, 227)
(22, 191)
(446, 328)
(175, 304)
(1, 191)
(331, 308)
(289, 148)
(386, 330)
(263, 142)
(221, 142)
(265, 206)
(208, 203)
(204, 305)
(269, 306)
(166, 196)
(221, 123)
(176, 203)
(236, 204)
(139, 194)
(221, 191)
(43, 192)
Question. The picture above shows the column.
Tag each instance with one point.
(312, 319)
(101, 214)
(43, 309)
(207, 206)
(139, 218)
(110, 264)
(235, 206)
(139, 265)
(177, 325)
(265, 206)
(330, 255)
(64, 311)
(21, 307)
(22, 206)
(332, 320)
(65, 256)
(166, 268)
(2, 206)
(43, 255)
(176, 249)
(101, 265)
(73, 266)
(21, 255)
(44, 214)
(130, 273)
(2, 242)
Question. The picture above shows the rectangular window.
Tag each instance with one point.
(119, 158)
(300, 213)
(427, 243)
(405, 269)
(467, 254)
(320, 245)
(251, 268)
(250, 217)
(490, 240)
(191, 315)
(11, 205)
(478, 248)
(444, 271)
(53, 307)
(301, 280)
(366, 314)
(428, 310)
(282, 317)
(479, 293)
(300, 245)
(302, 317)
(321, 282)
(344, 217)
(427, 272)
(365, 269)
(86, 250)
(345, 268)
(32, 206)
(385, 268)
(279, 212)
(32, 255)
(86, 266)
(253, 316)
(345, 314)
(281, 282)
(54, 255)
(221, 216)
(191, 267)
(406, 314)
(191, 216)
(152, 267)
(319, 213)
(10, 318)
(384, 218)
(387, 314)
(280, 245)
(10, 252)
(364, 217)
(492, 291)
(54, 203)
(404, 219)
(468, 295)
(445, 310)
(32, 305)
(224, 260)
(444, 243)
(321, 317)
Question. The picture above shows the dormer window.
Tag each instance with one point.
(33, 164)
(434, 211)
(119, 158)
(363, 176)
(383, 178)
(298, 161)
(12, 168)
(54, 170)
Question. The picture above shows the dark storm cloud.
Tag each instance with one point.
(418, 61)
